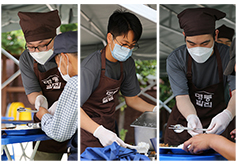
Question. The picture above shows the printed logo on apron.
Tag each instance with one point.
(110, 95)
(52, 82)
(204, 99)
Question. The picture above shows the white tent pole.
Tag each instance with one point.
(172, 49)
(171, 30)
(142, 10)
(10, 79)
(164, 52)
(58, 29)
(50, 8)
(10, 56)
(166, 8)
(165, 106)
(93, 34)
(147, 55)
(92, 23)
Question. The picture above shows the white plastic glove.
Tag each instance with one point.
(107, 137)
(52, 109)
(220, 122)
(194, 122)
(41, 101)
(155, 109)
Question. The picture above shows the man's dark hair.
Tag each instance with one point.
(120, 22)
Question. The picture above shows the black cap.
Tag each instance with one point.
(65, 43)
(226, 32)
(230, 67)
(39, 26)
(199, 21)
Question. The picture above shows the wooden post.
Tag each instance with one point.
(4, 90)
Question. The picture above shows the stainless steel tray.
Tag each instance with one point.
(147, 119)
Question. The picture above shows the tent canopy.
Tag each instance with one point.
(171, 36)
(10, 19)
(94, 21)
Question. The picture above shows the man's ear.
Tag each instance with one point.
(216, 34)
(183, 33)
(57, 58)
(65, 56)
(109, 38)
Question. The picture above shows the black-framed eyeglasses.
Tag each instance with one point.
(40, 47)
(134, 47)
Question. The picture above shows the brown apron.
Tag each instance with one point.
(52, 85)
(208, 102)
(100, 106)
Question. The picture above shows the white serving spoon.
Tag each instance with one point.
(142, 147)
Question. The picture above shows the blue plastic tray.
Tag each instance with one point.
(176, 150)
(15, 122)
(188, 157)
(17, 132)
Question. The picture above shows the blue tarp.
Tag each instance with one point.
(112, 152)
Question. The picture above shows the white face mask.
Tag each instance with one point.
(41, 57)
(65, 77)
(200, 54)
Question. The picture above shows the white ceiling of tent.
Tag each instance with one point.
(91, 39)
(96, 16)
(94, 20)
(10, 19)
(170, 34)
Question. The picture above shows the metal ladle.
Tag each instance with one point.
(22, 109)
(178, 128)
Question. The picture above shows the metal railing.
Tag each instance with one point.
(16, 74)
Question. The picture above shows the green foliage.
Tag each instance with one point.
(13, 42)
(69, 27)
(145, 68)
(121, 99)
(123, 107)
(122, 134)
(165, 91)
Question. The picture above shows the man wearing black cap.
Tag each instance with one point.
(62, 125)
(225, 35)
(42, 81)
(195, 73)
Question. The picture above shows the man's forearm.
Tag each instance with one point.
(139, 104)
(32, 96)
(223, 146)
(87, 123)
(185, 105)
(231, 104)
